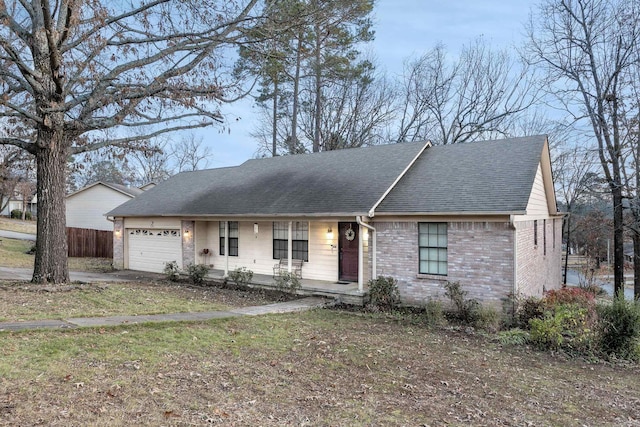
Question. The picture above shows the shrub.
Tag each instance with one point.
(16, 214)
(241, 276)
(514, 336)
(287, 282)
(197, 273)
(566, 326)
(464, 310)
(579, 296)
(384, 293)
(620, 328)
(487, 318)
(172, 270)
(529, 308)
(433, 313)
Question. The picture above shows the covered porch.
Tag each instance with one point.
(345, 292)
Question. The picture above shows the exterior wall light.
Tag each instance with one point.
(329, 233)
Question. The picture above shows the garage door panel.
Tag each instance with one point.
(149, 249)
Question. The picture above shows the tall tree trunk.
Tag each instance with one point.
(51, 246)
(567, 224)
(636, 265)
(296, 93)
(274, 131)
(318, 90)
(618, 241)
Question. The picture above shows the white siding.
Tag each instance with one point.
(537, 207)
(86, 209)
(153, 222)
(255, 251)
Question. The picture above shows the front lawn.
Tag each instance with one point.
(13, 253)
(323, 367)
(24, 301)
(18, 225)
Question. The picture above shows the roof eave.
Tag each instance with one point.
(245, 215)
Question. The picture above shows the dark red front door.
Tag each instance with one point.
(348, 247)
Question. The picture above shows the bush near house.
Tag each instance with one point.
(383, 293)
(570, 320)
(17, 214)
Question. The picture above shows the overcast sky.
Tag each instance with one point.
(404, 29)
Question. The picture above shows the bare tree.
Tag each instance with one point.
(10, 161)
(72, 70)
(357, 111)
(575, 173)
(472, 98)
(585, 48)
(190, 154)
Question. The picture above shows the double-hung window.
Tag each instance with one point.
(299, 240)
(432, 242)
(233, 238)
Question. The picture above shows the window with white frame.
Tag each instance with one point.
(233, 238)
(433, 243)
(299, 240)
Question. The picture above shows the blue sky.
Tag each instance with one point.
(404, 29)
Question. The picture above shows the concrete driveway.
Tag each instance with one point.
(15, 235)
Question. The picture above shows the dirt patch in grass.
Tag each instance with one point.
(18, 225)
(316, 368)
(24, 301)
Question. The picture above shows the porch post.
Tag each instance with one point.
(360, 260)
(226, 249)
(289, 246)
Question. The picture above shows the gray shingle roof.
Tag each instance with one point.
(489, 176)
(333, 182)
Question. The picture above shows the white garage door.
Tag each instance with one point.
(149, 250)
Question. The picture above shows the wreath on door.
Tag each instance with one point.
(350, 234)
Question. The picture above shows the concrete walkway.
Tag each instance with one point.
(15, 235)
(92, 322)
(12, 273)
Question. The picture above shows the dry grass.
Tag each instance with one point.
(317, 368)
(23, 301)
(18, 225)
(13, 253)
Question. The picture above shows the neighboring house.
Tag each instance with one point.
(15, 203)
(86, 208)
(483, 214)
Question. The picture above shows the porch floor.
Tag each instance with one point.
(342, 292)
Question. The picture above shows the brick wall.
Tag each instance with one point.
(480, 257)
(188, 243)
(118, 244)
(539, 265)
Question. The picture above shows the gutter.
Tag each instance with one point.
(361, 254)
(404, 172)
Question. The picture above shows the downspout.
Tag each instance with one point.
(361, 253)
(226, 249)
(515, 261)
(289, 247)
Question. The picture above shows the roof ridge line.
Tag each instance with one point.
(372, 212)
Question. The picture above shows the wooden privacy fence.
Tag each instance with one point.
(86, 243)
